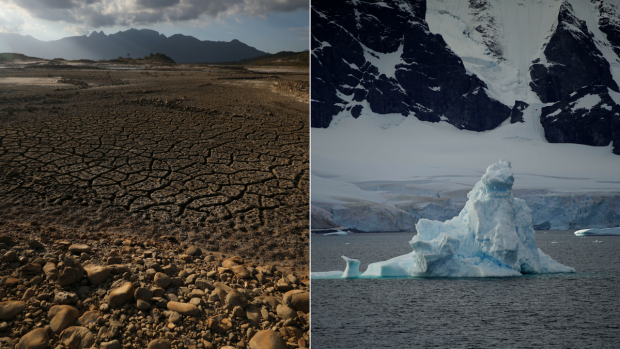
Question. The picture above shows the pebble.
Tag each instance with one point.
(241, 271)
(143, 305)
(9, 309)
(193, 251)
(297, 299)
(160, 344)
(162, 280)
(285, 312)
(11, 282)
(97, 274)
(121, 295)
(115, 344)
(267, 339)
(89, 317)
(80, 248)
(35, 339)
(232, 261)
(36, 244)
(62, 316)
(77, 337)
(9, 256)
(213, 303)
(62, 297)
(185, 309)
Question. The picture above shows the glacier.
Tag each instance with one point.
(492, 236)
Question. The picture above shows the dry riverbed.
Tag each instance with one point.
(141, 166)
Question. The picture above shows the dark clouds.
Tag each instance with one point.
(106, 13)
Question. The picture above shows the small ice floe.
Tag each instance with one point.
(338, 233)
(600, 232)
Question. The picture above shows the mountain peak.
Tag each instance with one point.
(134, 43)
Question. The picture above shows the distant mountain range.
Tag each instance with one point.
(138, 43)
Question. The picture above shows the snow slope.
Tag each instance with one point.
(366, 162)
(497, 43)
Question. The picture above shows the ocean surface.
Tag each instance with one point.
(576, 310)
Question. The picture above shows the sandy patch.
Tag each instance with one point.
(278, 70)
(30, 81)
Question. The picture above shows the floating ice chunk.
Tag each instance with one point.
(491, 237)
(338, 233)
(336, 274)
(596, 232)
(353, 268)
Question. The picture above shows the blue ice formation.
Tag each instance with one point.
(491, 237)
(598, 232)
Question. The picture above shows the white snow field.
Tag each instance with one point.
(598, 232)
(374, 176)
(385, 172)
(491, 237)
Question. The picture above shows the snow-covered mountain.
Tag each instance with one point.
(411, 99)
(473, 64)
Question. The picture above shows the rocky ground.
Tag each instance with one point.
(202, 154)
(108, 291)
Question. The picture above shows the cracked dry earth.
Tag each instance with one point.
(179, 152)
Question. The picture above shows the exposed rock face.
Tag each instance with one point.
(589, 116)
(516, 114)
(368, 56)
(573, 61)
(609, 22)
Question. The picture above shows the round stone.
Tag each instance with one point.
(162, 280)
(77, 337)
(143, 293)
(267, 339)
(9, 309)
(79, 248)
(184, 309)
(143, 305)
(35, 339)
(160, 344)
(285, 312)
(193, 251)
(121, 294)
(62, 316)
(97, 274)
(297, 299)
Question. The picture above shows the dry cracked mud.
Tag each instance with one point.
(192, 153)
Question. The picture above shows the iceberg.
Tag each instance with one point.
(598, 232)
(492, 236)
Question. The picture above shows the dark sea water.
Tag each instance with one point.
(577, 310)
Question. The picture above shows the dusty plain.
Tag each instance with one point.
(187, 171)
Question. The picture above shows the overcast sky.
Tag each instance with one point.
(268, 25)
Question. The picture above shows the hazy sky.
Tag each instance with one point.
(268, 25)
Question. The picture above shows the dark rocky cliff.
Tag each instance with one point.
(383, 57)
